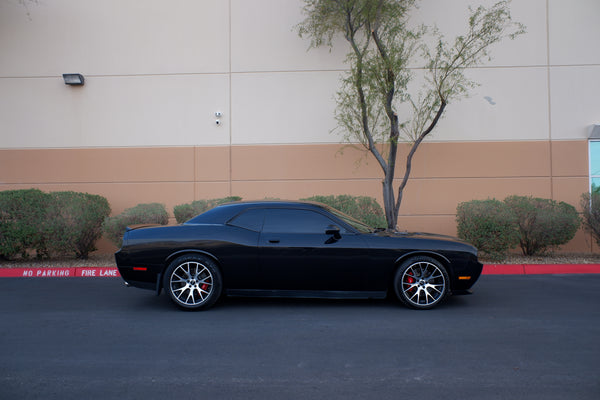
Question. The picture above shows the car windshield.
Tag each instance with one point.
(356, 224)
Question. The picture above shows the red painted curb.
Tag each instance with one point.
(503, 269)
(77, 272)
(540, 269)
(113, 272)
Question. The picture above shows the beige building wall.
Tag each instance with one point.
(142, 128)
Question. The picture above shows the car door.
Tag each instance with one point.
(241, 266)
(296, 253)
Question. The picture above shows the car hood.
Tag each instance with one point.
(421, 235)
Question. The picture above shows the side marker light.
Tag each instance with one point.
(464, 278)
(140, 269)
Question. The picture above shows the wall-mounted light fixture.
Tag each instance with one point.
(73, 79)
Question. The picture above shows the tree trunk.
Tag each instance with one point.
(391, 211)
(391, 216)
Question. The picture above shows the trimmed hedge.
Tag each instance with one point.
(22, 213)
(543, 224)
(590, 203)
(148, 213)
(536, 225)
(73, 223)
(56, 223)
(185, 212)
(363, 208)
(488, 225)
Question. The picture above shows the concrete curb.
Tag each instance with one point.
(113, 272)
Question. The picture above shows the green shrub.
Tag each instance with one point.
(363, 208)
(21, 215)
(73, 223)
(185, 212)
(590, 203)
(152, 213)
(489, 225)
(50, 223)
(542, 224)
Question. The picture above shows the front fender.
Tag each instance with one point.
(428, 253)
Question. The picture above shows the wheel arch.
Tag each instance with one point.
(172, 256)
(440, 257)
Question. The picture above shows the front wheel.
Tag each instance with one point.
(193, 282)
(421, 283)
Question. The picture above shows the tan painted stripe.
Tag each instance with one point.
(444, 175)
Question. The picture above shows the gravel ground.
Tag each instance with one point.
(108, 260)
(566, 258)
(95, 260)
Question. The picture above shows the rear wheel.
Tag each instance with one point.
(193, 282)
(421, 282)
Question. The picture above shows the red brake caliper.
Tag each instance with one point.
(410, 280)
(204, 287)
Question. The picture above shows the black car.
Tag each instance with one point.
(295, 249)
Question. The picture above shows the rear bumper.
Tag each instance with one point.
(140, 276)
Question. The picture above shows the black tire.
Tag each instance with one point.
(193, 282)
(421, 283)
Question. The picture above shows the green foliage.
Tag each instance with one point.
(488, 225)
(447, 63)
(54, 223)
(542, 224)
(150, 213)
(536, 225)
(590, 203)
(21, 215)
(185, 212)
(374, 103)
(362, 208)
(73, 223)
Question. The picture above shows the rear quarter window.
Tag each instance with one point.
(250, 219)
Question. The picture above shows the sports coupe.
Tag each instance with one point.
(293, 249)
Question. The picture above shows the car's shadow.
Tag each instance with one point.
(164, 303)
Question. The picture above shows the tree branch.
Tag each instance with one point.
(362, 98)
(413, 150)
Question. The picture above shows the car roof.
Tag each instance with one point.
(224, 212)
(273, 203)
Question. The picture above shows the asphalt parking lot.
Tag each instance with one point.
(517, 337)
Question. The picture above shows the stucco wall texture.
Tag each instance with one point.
(142, 128)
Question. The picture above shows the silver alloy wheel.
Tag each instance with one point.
(423, 284)
(191, 283)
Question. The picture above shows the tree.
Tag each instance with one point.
(382, 45)
(590, 203)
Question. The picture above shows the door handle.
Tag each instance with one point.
(273, 240)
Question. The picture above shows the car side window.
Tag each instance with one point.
(296, 221)
(250, 219)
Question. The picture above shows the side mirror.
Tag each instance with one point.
(333, 230)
